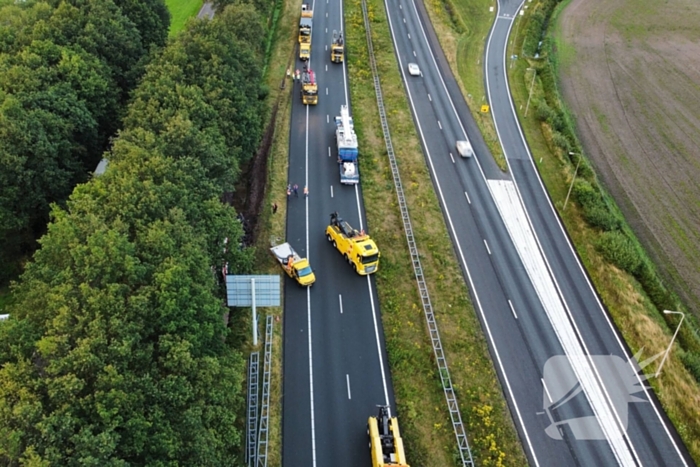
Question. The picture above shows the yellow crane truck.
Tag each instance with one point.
(295, 266)
(309, 88)
(356, 247)
(337, 47)
(305, 23)
(385, 440)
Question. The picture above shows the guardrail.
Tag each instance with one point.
(252, 422)
(460, 433)
(265, 400)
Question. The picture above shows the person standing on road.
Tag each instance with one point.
(306, 191)
(289, 191)
(296, 190)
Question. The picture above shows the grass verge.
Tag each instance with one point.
(422, 411)
(272, 226)
(180, 12)
(634, 314)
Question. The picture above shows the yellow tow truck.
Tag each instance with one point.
(295, 266)
(385, 440)
(337, 47)
(305, 23)
(309, 88)
(356, 247)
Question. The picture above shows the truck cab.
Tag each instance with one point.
(305, 51)
(385, 442)
(357, 247)
(309, 88)
(337, 47)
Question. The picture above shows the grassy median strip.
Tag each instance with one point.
(631, 309)
(423, 415)
(462, 27)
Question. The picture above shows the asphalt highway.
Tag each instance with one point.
(335, 369)
(522, 334)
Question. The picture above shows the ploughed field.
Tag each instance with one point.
(631, 75)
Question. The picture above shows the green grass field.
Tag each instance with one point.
(180, 12)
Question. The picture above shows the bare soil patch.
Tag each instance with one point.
(631, 75)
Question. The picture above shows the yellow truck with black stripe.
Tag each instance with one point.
(385, 441)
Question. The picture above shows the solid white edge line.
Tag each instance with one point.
(308, 289)
(624, 433)
(379, 347)
(359, 213)
(590, 285)
(454, 233)
(308, 302)
(598, 379)
(359, 210)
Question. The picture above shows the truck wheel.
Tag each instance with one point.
(328, 236)
(335, 245)
(345, 256)
(354, 267)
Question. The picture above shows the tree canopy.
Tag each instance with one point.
(66, 71)
(116, 352)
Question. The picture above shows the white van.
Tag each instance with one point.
(464, 148)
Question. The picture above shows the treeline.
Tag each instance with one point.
(115, 353)
(66, 69)
(617, 243)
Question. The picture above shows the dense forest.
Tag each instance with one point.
(66, 70)
(116, 352)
